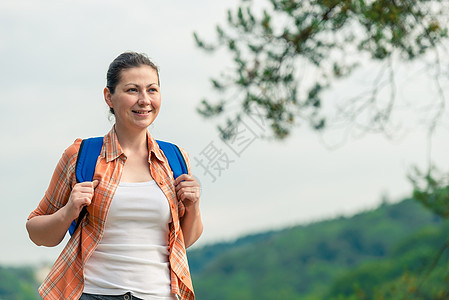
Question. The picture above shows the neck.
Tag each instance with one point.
(131, 141)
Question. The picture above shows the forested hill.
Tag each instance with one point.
(386, 253)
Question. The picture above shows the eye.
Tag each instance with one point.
(133, 90)
(153, 90)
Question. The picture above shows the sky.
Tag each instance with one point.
(54, 56)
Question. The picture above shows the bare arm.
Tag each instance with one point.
(49, 230)
(188, 191)
(191, 224)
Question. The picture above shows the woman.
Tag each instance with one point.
(140, 220)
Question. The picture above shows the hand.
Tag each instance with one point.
(187, 190)
(81, 195)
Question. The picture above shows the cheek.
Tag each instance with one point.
(156, 103)
(124, 102)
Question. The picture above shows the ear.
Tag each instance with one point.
(107, 97)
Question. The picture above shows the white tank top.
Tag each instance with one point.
(133, 254)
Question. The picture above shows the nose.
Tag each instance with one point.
(144, 99)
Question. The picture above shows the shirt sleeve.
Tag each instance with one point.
(62, 181)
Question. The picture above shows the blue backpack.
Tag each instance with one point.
(90, 150)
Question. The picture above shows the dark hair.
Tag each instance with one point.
(126, 60)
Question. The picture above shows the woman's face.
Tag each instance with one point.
(137, 98)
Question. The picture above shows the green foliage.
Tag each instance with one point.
(344, 258)
(18, 284)
(432, 190)
(415, 270)
(275, 44)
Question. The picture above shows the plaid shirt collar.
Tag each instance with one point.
(112, 149)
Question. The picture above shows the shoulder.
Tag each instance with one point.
(72, 151)
(183, 152)
(74, 148)
(67, 163)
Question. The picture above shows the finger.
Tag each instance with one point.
(188, 199)
(181, 178)
(87, 201)
(188, 188)
(81, 202)
(84, 204)
(180, 193)
(188, 194)
(182, 196)
(83, 185)
(181, 185)
(83, 190)
(190, 181)
(87, 185)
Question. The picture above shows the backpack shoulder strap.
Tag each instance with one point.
(87, 158)
(175, 158)
(85, 167)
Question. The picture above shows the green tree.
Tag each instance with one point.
(272, 41)
(432, 190)
(287, 53)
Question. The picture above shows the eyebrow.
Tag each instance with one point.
(135, 84)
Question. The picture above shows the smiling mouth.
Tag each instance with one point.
(141, 112)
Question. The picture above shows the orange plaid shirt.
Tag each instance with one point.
(66, 278)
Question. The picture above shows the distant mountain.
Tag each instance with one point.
(345, 258)
(397, 251)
